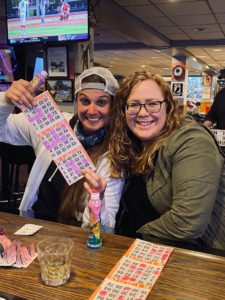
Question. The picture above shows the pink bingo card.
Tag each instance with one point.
(58, 137)
(135, 273)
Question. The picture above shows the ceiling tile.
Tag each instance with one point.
(206, 35)
(194, 20)
(217, 6)
(169, 1)
(131, 2)
(223, 27)
(169, 29)
(184, 8)
(160, 21)
(220, 17)
(208, 28)
(144, 11)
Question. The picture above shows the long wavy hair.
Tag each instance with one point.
(72, 198)
(127, 153)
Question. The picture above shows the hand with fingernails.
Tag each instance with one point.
(21, 92)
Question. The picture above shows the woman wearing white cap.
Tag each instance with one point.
(47, 195)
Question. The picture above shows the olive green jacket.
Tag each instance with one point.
(183, 188)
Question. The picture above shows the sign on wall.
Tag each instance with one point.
(177, 89)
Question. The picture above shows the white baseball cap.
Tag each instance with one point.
(110, 86)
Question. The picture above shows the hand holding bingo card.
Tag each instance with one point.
(58, 137)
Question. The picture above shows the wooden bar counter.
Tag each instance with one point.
(187, 275)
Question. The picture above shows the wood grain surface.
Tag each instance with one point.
(187, 275)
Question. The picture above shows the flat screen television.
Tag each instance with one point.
(8, 64)
(32, 21)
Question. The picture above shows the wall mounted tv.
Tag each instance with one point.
(8, 64)
(32, 21)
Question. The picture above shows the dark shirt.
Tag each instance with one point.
(48, 203)
(135, 208)
(216, 113)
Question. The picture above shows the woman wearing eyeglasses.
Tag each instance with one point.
(172, 166)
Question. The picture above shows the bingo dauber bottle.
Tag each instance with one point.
(39, 79)
(95, 204)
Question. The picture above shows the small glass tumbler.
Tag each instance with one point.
(55, 255)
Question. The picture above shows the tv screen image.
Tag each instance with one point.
(8, 64)
(31, 21)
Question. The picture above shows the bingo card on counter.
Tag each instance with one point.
(58, 137)
(135, 273)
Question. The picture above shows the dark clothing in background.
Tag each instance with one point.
(47, 206)
(135, 208)
(217, 110)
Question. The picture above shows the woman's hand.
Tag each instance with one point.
(94, 181)
(21, 92)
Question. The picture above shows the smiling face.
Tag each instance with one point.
(93, 107)
(145, 125)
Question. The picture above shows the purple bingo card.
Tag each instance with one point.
(45, 114)
(58, 137)
(72, 164)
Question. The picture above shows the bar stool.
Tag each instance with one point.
(13, 157)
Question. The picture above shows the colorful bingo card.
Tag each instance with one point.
(58, 137)
(135, 273)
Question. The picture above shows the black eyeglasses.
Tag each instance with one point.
(154, 106)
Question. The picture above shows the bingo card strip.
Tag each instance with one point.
(58, 137)
(135, 273)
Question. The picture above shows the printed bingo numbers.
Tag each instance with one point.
(58, 137)
(135, 274)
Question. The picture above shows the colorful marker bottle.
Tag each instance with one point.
(95, 204)
(39, 79)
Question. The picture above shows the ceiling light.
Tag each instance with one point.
(143, 66)
(200, 56)
(199, 29)
(217, 50)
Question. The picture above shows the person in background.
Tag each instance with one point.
(22, 13)
(43, 197)
(172, 165)
(42, 5)
(65, 9)
(216, 114)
